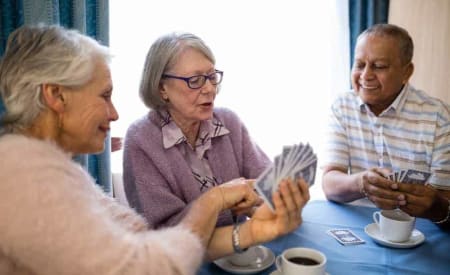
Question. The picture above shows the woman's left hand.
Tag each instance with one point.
(289, 201)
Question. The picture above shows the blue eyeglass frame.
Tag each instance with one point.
(186, 79)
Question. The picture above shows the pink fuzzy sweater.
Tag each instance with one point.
(54, 220)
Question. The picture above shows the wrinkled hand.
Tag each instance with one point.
(238, 195)
(419, 200)
(289, 201)
(377, 188)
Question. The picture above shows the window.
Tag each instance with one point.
(283, 61)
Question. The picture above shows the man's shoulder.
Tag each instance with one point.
(421, 98)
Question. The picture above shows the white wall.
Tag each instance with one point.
(428, 22)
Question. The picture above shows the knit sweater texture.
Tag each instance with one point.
(56, 221)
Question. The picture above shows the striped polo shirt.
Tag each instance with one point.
(412, 133)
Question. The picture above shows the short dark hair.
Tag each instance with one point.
(405, 42)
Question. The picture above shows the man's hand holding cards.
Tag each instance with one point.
(296, 161)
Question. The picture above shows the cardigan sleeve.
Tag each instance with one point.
(150, 184)
(55, 221)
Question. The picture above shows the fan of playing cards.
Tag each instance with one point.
(296, 161)
(410, 176)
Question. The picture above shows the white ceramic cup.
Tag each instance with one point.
(246, 258)
(286, 265)
(394, 225)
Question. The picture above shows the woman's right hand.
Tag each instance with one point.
(238, 195)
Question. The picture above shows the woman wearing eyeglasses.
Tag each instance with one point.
(184, 145)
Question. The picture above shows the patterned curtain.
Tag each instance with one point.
(363, 14)
(89, 17)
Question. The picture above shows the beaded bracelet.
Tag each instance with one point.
(444, 220)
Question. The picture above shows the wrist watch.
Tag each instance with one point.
(235, 238)
(447, 218)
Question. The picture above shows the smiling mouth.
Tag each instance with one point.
(369, 87)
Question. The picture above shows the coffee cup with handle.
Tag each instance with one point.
(301, 260)
(394, 225)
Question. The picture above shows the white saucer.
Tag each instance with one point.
(277, 272)
(265, 259)
(416, 237)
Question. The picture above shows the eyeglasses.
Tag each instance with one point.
(198, 81)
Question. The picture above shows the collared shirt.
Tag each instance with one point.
(412, 133)
(195, 157)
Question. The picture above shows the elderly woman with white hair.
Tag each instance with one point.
(56, 87)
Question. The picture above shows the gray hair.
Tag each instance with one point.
(405, 43)
(41, 54)
(161, 58)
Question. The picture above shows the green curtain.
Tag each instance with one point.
(89, 17)
(363, 14)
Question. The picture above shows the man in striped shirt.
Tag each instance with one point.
(386, 125)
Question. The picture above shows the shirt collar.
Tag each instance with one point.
(172, 134)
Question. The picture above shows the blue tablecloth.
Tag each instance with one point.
(431, 257)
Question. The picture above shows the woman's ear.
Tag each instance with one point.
(53, 97)
(163, 93)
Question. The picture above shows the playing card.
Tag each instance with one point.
(264, 186)
(402, 174)
(391, 176)
(397, 176)
(345, 236)
(277, 164)
(415, 176)
(296, 161)
(308, 173)
(283, 160)
(291, 157)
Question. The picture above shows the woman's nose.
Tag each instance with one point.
(113, 114)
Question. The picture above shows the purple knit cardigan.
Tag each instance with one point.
(159, 183)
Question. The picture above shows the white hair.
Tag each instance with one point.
(41, 54)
